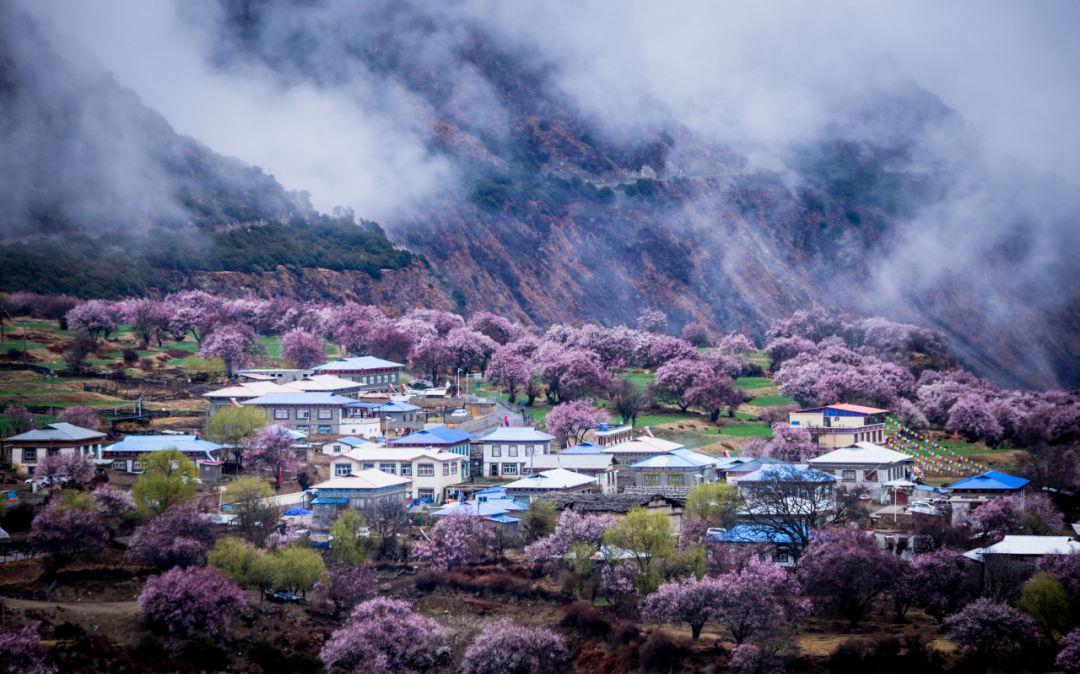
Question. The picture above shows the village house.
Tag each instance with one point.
(791, 491)
(764, 542)
(510, 449)
(346, 444)
(620, 504)
(325, 383)
(730, 468)
(397, 417)
(1005, 565)
(26, 450)
(432, 472)
(558, 480)
(440, 438)
(841, 424)
(125, 454)
(244, 391)
(314, 413)
(599, 465)
(643, 447)
(280, 375)
(370, 372)
(491, 503)
(606, 435)
(358, 491)
(866, 465)
(682, 468)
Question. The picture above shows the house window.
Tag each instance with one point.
(495, 451)
(303, 414)
(538, 448)
(387, 468)
(446, 467)
(326, 413)
(368, 466)
(137, 466)
(406, 469)
(513, 451)
(337, 449)
(342, 469)
(425, 470)
(281, 414)
(781, 557)
(870, 475)
(847, 475)
(650, 479)
(676, 479)
(53, 451)
(303, 427)
(494, 470)
(29, 455)
(453, 467)
(325, 430)
(528, 451)
(119, 465)
(509, 469)
(426, 493)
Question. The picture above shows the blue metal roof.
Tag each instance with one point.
(356, 363)
(582, 448)
(505, 519)
(329, 501)
(749, 533)
(991, 480)
(394, 406)
(437, 435)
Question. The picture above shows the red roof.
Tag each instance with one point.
(861, 409)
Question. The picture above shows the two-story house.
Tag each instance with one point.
(125, 455)
(26, 450)
(314, 413)
(432, 473)
(865, 465)
(508, 450)
(439, 438)
(682, 468)
(361, 490)
(841, 424)
(370, 372)
(603, 467)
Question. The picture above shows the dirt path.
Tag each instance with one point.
(115, 608)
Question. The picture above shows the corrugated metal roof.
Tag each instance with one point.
(847, 407)
(1031, 545)
(364, 479)
(571, 461)
(324, 382)
(678, 458)
(558, 478)
(991, 480)
(300, 398)
(436, 435)
(517, 434)
(356, 363)
(189, 444)
(59, 431)
(785, 472)
(583, 448)
(862, 453)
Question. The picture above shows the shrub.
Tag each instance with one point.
(585, 618)
(131, 356)
(181, 602)
(660, 654)
(506, 647)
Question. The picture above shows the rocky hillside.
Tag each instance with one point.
(552, 217)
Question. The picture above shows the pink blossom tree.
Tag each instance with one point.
(469, 349)
(496, 327)
(713, 394)
(655, 350)
(697, 333)
(392, 341)
(508, 370)
(271, 451)
(431, 356)
(675, 377)
(686, 600)
(457, 540)
(790, 444)
(146, 317)
(991, 632)
(569, 421)
(22, 651)
(234, 344)
(96, 318)
(384, 636)
(942, 580)
(193, 311)
(303, 348)
(65, 531)
(570, 529)
(115, 505)
(735, 343)
(182, 602)
(844, 570)
(1068, 658)
(352, 324)
(347, 586)
(442, 321)
(76, 468)
(1016, 514)
(760, 601)
(783, 349)
(652, 320)
(19, 419)
(504, 646)
(80, 416)
(972, 417)
(176, 537)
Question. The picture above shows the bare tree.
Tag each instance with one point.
(627, 399)
(385, 520)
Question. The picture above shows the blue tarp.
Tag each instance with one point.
(330, 501)
(296, 511)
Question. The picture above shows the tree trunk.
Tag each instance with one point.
(695, 630)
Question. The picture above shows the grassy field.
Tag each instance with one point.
(747, 430)
(753, 383)
(641, 378)
(773, 400)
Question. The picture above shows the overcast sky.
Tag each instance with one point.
(767, 73)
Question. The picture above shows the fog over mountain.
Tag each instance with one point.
(582, 160)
